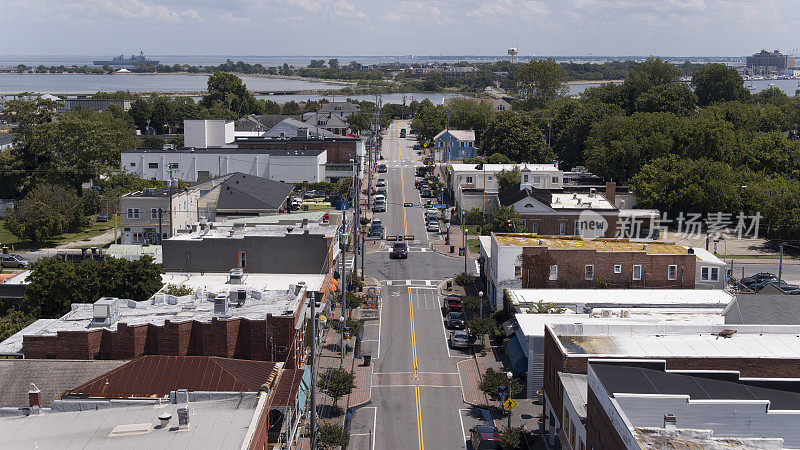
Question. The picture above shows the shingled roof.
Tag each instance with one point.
(157, 375)
(243, 192)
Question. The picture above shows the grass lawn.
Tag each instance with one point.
(474, 245)
(94, 229)
(472, 229)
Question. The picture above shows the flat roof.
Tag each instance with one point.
(581, 201)
(163, 307)
(499, 167)
(213, 424)
(275, 219)
(224, 232)
(577, 390)
(597, 298)
(233, 150)
(577, 243)
(625, 379)
(673, 340)
(263, 281)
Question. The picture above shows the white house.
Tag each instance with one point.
(469, 182)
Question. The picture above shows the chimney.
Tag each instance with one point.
(670, 422)
(611, 192)
(302, 132)
(182, 398)
(34, 398)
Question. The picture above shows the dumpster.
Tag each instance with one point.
(367, 359)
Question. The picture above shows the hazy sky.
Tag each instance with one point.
(390, 27)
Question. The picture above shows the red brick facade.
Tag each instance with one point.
(536, 262)
(550, 225)
(600, 432)
(273, 339)
(340, 151)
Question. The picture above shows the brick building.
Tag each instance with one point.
(232, 321)
(751, 350)
(528, 261)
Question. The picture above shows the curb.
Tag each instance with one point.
(441, 286)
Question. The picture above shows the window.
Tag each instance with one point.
(462, 144)
(588, 272)
(574, 437)
(469, 180)
(672, 272)
(172, 166)
(152, 165)
(536, 180)
(553, 272)
(518, 271)
(165, 236)
(242, 260)
(534, 225)
(555, 180)
(138, 236)
(709, 274)
(154, 213)
(577, 228)
(133, 213)
(133, 164)
(618, 268)
(562, 228)
(469, 144)
(637, 272)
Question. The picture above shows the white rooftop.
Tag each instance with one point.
(678, 340)
(706, 256)
(264, 281)
(621, 298)
(233, 232)
(467, 168)
(461, 135)
(213, 424)
(580, 201)
(576, 390)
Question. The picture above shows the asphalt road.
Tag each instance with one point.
(416, 390)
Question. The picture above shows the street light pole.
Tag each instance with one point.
(510, 376)
(344, 343)
(480, 295)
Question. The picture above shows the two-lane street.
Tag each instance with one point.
(416, 389)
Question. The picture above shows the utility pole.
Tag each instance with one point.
(780, 264)
(313, 374)
(343, 237)
(447, 137)
(464, 231)
(160, 221)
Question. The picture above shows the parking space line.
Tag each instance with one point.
(461, 419)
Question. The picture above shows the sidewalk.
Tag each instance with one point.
(456, 241)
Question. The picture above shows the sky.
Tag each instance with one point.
(392, 27)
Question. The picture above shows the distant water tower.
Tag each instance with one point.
(512, 52)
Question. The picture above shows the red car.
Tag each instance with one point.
(453, 304)
(484, 437)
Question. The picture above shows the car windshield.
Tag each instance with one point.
(399, 246)
(461, 334)
(455, 315)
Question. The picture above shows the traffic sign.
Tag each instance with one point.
(408, 204)
(502, 393)
(509, 404)
(440, 206)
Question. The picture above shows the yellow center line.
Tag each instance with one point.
(402, 187)
(420, 436)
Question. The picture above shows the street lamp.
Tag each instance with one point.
(510, 376)
(480, 296)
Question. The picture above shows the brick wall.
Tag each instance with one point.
(600, 432)
(338, 151)
(550, 224)
(571, 268)
(277, 337)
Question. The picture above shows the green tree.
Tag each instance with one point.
(492, 379)
(674, 184)
(498, 158)
(469, 114)
(47, 211)
(479, 327)
(512, 438)
(429, 121)
(333, 63)
(141, 111)
(718, 83)
(230, 91)
(290, 108)
(507, 220)
(674, 98)
(336, 383)
(516, 136)
(473, 216)
(645, 76)
(540, 81)
(12, 322)
(571, 124)
(55, 284)
(332, 435)
(509, 179)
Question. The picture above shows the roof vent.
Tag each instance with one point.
(691, 251)
(221, 306)
(164, 419)
(592, 192)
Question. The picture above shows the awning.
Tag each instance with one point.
(519, 362)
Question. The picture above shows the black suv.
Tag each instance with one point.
(399, 250)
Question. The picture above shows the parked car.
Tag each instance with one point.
(431, 214)
(380, 182)
(433, 226)
(382, 168)
(376, 229)
(455, 320)
(484, 437)
(782, 285)
(380, 198)
(459, 339)
(381, 191)
(14, 261)
(102, 217)
(758, 278)
(379, 206)
(453, 304)
(426, 193)
(399, 250)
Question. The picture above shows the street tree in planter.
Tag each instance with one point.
(332, 435)
(336, 383)
(480, 327)
(493, 379)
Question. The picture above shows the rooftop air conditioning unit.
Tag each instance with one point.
(221, 306)
(236, 276)
(105, 311)
(606, 313)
